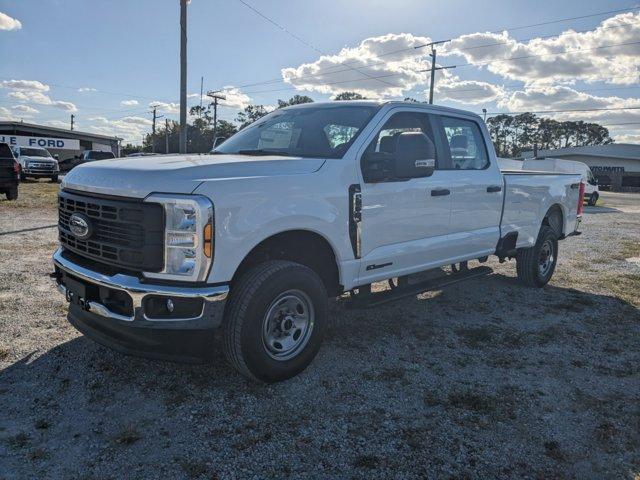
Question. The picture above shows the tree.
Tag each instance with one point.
(129, 148)
(295, 100)
(349, 96)
(511, 135)
(250, 114)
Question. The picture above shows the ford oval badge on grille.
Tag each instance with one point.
(80, 226)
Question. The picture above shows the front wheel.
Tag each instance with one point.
(274, 321)
(535, 265)
(54, 179)
(12, 193)
(593, 199)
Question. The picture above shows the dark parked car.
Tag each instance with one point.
(86, 156)
(9, 173)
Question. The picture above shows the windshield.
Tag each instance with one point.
(95, 155)
(321, 132)
(34, 152)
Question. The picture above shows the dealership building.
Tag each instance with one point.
(616, 166)
(59, 141)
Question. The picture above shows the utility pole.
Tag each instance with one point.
(201, 88)
(434, 68)
(73, 117)
(183, 76)
(215, 95)
(153, 129)
(166, 135)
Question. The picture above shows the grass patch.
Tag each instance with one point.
(475, 337)
(19, 440)
(33, 195)
(366, 461)
(624, 286)
(4, 351)
(128, 436)
(472, 401)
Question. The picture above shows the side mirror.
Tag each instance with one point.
(56, 156)
(415, 155)
(377, 167)
(218, 141)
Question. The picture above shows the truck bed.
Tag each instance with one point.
(529, 195)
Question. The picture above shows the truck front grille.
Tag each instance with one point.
(124, 232)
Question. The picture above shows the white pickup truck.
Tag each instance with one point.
(307, 203)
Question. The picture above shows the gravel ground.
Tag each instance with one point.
(487, 379)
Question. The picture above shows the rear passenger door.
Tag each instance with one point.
(405, 219)
(476, 183)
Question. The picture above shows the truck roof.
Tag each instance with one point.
(362, 103)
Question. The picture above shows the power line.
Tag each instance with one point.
(346, 63)
(569, 110)
(304, 42)
(462, 65)
(567, 19)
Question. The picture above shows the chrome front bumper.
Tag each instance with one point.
(136, 290)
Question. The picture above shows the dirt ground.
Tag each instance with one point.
(486, 379)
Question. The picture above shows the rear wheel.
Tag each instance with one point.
(12, 193)
(275, 320)
(593, 199)
(535, 265)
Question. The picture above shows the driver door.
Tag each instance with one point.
(405, 221)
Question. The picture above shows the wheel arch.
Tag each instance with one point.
(302, 246)
(555, 218)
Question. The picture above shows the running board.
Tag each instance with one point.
(446, 279)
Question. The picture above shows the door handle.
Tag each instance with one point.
(440, 192)
(494, 188)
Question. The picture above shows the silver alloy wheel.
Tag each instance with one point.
(288, 324)
(546, 258)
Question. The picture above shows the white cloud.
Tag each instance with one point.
(627, 138)
(25, 85)
(128, 103)
(470, 92)
(9, 23)
(235, 98)
(42, 99)
(131, 128)
(391, 58)
(59, 124)
(32, 91)
(7, 115)
(25, 109)
(559, 59)
(168, 107)
(87, 89)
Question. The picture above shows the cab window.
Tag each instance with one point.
(403, 148)
(466, 144)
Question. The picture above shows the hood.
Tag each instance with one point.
(140, 176)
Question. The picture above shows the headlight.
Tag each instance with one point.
(188, 237)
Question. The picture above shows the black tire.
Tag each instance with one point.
(12, 193)
(529, 260)
(22, 177)
(250, 301)
(54, 179)
(593, 199)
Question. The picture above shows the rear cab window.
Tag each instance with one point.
(464, 144)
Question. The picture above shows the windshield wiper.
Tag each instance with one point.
(263, 152)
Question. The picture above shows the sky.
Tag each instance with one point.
(108, 62)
